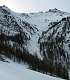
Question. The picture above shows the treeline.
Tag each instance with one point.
(54, 55)
(17, 54)
(33, 61)
(52, 47)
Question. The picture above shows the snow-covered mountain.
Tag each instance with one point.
(45, 35)
(42, 21)
(30, 24)
(11, 25)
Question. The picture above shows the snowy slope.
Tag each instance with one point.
(14, 71)
(41, 21)
(69, 74)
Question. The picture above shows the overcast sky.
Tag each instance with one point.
(36, 5)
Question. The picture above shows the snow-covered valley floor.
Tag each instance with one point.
(15, 71)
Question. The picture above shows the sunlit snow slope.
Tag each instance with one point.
(42, 19)
(14, 71)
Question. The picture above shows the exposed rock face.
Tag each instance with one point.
(55, 44)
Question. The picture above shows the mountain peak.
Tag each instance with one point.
(54, 10)
(4, 7)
